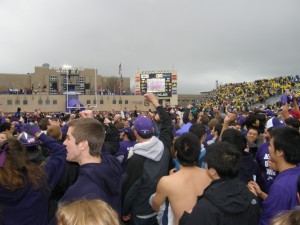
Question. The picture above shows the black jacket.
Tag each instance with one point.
(142, 173)
(224, 202)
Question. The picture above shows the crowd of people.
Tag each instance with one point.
(219, 161)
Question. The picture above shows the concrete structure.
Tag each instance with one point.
(50, 89)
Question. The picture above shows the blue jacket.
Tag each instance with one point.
(26, 206)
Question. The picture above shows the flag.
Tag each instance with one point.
(120, 72)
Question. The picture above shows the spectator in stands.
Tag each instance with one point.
(285, 154)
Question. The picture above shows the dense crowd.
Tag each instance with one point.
(217, 161)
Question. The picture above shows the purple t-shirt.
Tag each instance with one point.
(282, 195)
(262, 157)
(125, 147)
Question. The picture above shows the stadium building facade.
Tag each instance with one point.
(66, 88)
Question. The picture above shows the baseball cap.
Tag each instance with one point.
(127, 130)
(143, 125)
(275, 122)
(27, 139)
(295, 114)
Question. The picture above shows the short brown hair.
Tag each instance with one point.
(90, 130)
(54, 131)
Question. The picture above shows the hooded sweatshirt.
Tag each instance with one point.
(144, 169)
(98, 181)
(227, 202)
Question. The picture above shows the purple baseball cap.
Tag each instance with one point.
(127, 130)
(275, 122)
(143, 125)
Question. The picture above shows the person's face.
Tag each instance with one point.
(272, 152)
(252, 135)
(73, 150)
(126, 124)
(2, 137)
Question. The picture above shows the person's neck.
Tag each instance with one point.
(282, 166)
(90, 159)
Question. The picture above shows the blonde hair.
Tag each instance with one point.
(291, 217)
(86, 212)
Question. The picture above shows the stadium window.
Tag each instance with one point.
(94, 101)
(9, 102)
(54, 102)
(126, 102)
(120, 101)
(88, 101)
(17, 102)
(47, 102)
(40, 102)
(25, 102)
(114, 102)
(101, 102)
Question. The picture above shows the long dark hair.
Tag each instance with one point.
(17, 171)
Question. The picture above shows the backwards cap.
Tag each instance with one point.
(143, 125)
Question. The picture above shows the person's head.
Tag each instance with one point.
(292, 122)
(16, 170)
(143, 127)
(252, 134)
(291, 217)
(127, 134)
(285, 146)
(222, 161)
(216, 131)
(4, 136)
(84, 134)
(236, 138)
(44, 123)
(54, 131)
(187, 149)
(251, 120)
(7, 126)
(86, 212)
(199, 130)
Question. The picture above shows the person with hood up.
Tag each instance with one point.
(149, 162)
(227, 200)
(100, 175)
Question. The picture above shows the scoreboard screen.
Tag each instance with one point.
(158, 83)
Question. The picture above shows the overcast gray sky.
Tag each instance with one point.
(204, 40)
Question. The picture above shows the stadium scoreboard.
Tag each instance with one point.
(159, 84)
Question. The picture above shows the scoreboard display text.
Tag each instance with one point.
(159, 84)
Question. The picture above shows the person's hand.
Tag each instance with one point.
(230, 117)
(126, 218)
(254, 188)
(86, 114)
(106, 121)
(31, 129)
(150, 97)
(272, 165)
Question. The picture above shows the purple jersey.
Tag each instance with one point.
(262, 157)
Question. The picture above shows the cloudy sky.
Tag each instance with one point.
(204, 40)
